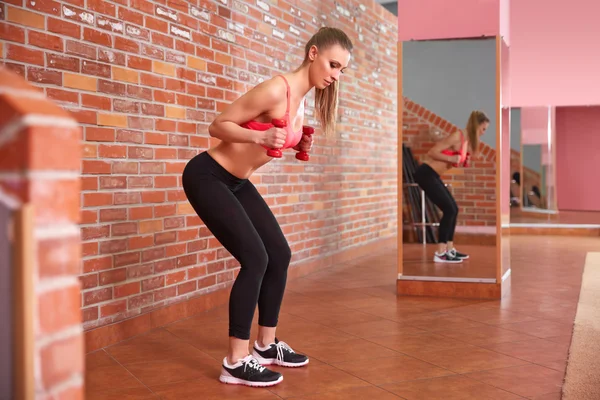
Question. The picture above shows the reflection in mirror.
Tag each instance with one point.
(449, 207)
(531, 159)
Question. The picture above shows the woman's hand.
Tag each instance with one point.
(273, 138)
(305, 143)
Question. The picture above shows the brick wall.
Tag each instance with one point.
(145, 79)
(40, 155)
(474, 188)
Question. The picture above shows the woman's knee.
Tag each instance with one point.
(255, 261)
(451, 210)
(281, 256)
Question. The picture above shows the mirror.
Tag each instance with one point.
(443, 81)
(532, 167)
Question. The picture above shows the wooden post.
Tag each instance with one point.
(23, 303)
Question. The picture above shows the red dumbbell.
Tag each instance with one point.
(303, 155)
(467, 162)
(278, 123)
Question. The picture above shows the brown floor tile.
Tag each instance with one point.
(157, 345)
(313, 380)
(541, 328)
(355, 393)
(468, 359)
(485, 336)
(558, 365)
(154, 373)
(356, 350)
(535, 351)
(489, 315)
(395, 369)
(524, 380)
(413, 345)
(564, 339)
(397, 312)
(379, 328)
(123, 394)
(449, 388)
(103, 372)
(442, 322)
(209, 388)
(549, 396)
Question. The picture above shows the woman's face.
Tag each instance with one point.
(327, 65)
(482, 128)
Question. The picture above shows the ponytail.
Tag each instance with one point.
(326, 104)
(475, 119)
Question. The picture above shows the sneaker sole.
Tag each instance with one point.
(231, 380)
(265, 361)
(447, 261)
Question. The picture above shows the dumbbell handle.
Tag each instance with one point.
(278, 123)
(303, 155)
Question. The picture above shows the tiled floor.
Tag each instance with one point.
(365, 343)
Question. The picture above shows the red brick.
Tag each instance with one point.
(127, 289)
(64, 28)
(24, 54)
(95, 167)
(59, 309)
(45, 41)
(45, 6)
(62, 359)
(132, 16)
(97, 69)
(113, 308)
(58, 257)
(62, 62)
(127, 45)
(97, 296)
(44, 76)
(102, 7)
(97, 37)
(112, 276)
(139, 63)
(12, 33)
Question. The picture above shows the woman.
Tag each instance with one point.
(453, 151)
(217, 186)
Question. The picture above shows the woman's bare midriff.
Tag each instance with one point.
(440, 167)
(240, 159)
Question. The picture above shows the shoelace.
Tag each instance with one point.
(251, 362)
(281, 346)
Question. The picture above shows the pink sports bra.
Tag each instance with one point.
(461, 153)
(292, 138)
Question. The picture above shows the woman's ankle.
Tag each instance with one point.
(238, 350)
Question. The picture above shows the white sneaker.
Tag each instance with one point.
(446, 257)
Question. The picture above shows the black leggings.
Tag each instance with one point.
(237, 215)
(438, 193)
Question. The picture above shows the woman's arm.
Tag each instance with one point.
(259, 100)
(436, 151)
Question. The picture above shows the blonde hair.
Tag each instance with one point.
(475, 119)
(326, 100)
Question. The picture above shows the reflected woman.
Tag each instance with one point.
(454, 151)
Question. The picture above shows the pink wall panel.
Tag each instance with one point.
(554, 48)
(445, 19)
(577, 161)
